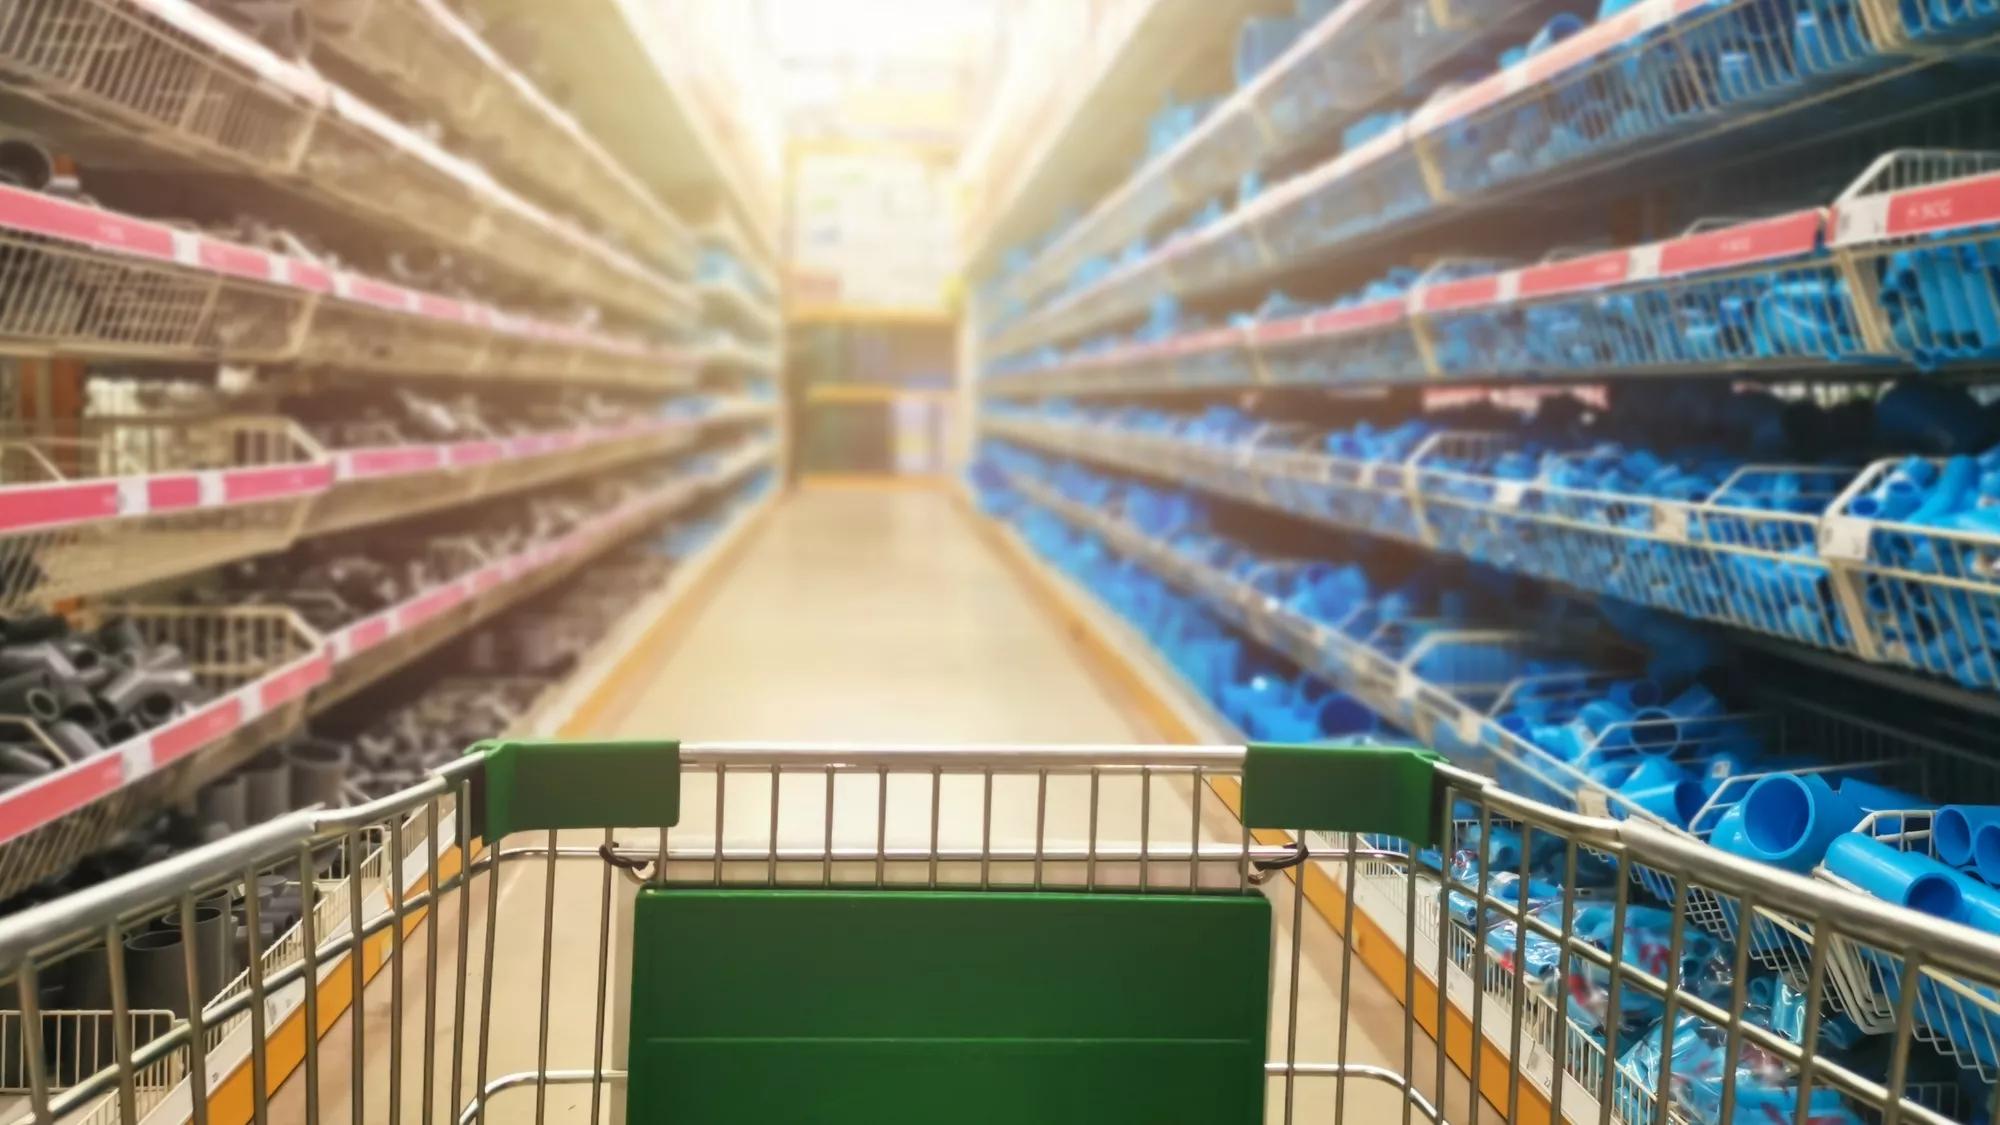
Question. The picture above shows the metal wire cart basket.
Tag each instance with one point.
(846, 933)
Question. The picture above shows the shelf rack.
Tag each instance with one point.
(1699, 80)
(258, 663)
(366, 650)
(81, 280)
(426, 53)
(1163, 39)
(123, 502)
(134, 501)
(160, 93)
(1811, 292)
(387, 482)
(1358, 58)
(1445, 684)
(729, 303)
(266, 668)
(727, 353)
(1775, 550)
(722, 233)
(162, 77)
(630, 86)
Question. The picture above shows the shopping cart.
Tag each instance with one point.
(828, 933)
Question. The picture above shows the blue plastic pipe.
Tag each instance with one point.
(1986, 854)
(1954, 827)
(1904, 878)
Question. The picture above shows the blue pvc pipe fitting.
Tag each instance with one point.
(1982, 904)
(1634, 694)
(1957, 485)
(1728, 832)
(1341, 714)
(1675, 802)
(1986, 854)
(1870, 797)
(1904, 878)
(1653, 773)
(1601, 713)
(1789, 819)
(1954, 827)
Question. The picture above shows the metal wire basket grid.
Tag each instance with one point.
(256, 666)
(128, 501)
(940, 823)
(122, 67)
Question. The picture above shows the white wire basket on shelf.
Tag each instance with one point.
(1959, 1018)
(431, 57)
(1915, 229)
(1370, 340)
(82, 281)
(366, 650)
(128, 501)
(1744, 552)
(168, 75)
(256, 666)
(1923, 591)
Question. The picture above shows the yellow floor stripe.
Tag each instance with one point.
(1372, 945)
(874, 482)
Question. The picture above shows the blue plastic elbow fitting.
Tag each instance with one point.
(1789, 819)
(1674, 803)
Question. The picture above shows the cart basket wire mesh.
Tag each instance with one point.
(845, 933)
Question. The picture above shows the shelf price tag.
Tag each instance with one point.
(1844, 538)
(1471, 727)
(1407, 684)
(1670, 522)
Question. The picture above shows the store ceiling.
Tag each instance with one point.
(910, 70)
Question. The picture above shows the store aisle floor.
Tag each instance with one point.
(863, 616)
(871, 615)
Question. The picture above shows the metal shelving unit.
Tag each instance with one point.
(1813, 280)
(124, 77)
(631, 88)
(1700, 81)
(267, 669)
(510, 197)
(81, 280)
(134, 501)
(1454, 685)
(428, 55)
(1418, 287)
(1806, 571)
(1163, 38)
(1356, 59)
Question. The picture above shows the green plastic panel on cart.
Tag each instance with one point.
(1392, 790)
(536, 784)
(886, 1007)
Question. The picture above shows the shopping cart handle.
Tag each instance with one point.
(532, 784)
(1391, 790)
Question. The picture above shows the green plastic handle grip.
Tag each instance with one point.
(530, 784)
(1390, 790)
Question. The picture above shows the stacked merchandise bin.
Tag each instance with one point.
(1516, 378)
(353, 389)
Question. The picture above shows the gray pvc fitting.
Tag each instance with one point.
(319, 773)
(267, 782)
